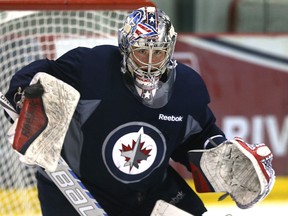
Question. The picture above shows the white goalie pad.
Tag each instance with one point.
(163, 208)
(242, 170)
(58, 103)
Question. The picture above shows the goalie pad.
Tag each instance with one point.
(163, 208)
(44, 120)
(242, 170)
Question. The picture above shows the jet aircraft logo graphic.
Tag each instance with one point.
(133, 151)
(135, 154)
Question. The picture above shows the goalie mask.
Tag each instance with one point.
(147, 42)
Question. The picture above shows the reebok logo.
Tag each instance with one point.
(180, 195)
(170, 118)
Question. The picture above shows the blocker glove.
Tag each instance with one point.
(39, 132)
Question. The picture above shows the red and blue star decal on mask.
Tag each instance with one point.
(144, 28)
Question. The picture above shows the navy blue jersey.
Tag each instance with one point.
(119, 147)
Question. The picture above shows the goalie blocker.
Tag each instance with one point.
(244, 171)
(44, 119)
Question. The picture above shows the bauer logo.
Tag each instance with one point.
(75, 192)
(170, 118)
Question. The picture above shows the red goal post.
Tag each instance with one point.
(34, 29)
(73, 4)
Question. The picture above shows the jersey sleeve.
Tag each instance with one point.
(201, 131)
(209, 136)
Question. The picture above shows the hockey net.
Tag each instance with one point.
(30, 30)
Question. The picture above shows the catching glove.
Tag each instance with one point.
(242, 170)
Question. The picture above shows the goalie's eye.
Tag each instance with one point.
(147, 56)
(141, 52)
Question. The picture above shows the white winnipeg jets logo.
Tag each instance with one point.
(134, 153)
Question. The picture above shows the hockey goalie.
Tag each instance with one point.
(118, 114)
(241, 170)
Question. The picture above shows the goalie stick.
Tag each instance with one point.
(65, 179)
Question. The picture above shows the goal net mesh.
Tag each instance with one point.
(24, 37)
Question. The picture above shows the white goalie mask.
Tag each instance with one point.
(147, 42)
